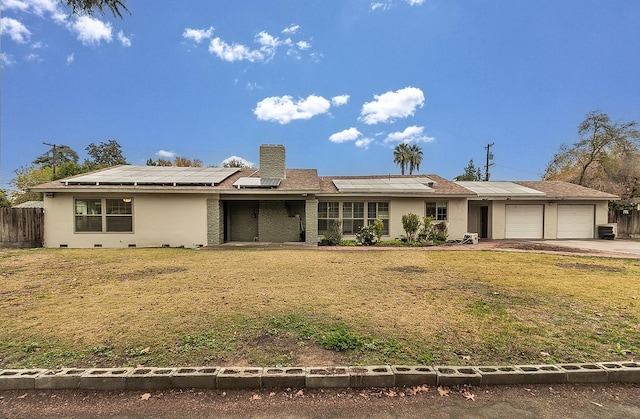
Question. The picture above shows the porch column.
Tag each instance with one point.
(311, 221)
(215, 219)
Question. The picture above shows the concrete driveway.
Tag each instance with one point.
(631, 247)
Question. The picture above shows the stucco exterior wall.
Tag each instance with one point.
(158, 219)
(456, 215)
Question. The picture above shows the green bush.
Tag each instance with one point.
(410, 224)
(379, 226)
(367, 236)
(334, 235)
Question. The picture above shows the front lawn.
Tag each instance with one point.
(160, 307)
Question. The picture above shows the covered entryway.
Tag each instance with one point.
(273, 220)
(524, 221)
(576, 221)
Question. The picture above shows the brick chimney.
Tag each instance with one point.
(272, 161)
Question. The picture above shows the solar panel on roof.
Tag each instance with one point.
(500, 189)
(384, 185)
(155, 175)
(257, 182)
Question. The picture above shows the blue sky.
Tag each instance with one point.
(339, 83)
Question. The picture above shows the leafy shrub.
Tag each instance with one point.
(334, 235)
(410, 224)
(435, 232)
(440, 233)
(379, 226)
(367, 235)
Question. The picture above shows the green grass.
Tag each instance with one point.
(157, 307)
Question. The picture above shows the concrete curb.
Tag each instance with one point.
(315, 377)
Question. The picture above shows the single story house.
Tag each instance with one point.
(139, 206)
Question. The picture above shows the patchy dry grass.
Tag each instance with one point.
(63, 307)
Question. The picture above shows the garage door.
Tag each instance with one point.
(524, 221)
(575, 221)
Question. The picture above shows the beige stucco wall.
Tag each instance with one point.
(456, 212)
(158, 219)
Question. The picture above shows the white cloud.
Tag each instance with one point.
(20, 5)
(38, 7)
(303, 45)
(6, 60)
(164, 154)
(410, 134)
(265, 48)
(291, 29)
(71, 58)
(244, 162)
(388, 4)
(379, 6)
(267, 41)
(33, 58)
(340, 100)
(391, 105)
(15, 29)
(363, 142)
(351, 134)
(284, 109)
(124, 40)
(92, 31)
(343, 136)
(198, 35)
(88, 30)
(234, 52)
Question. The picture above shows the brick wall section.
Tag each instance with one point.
(272, 161)
(275, 225)
(311, 222)
(215, 218)
(244, 221)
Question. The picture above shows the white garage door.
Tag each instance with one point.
(575, 221)
(524, 221)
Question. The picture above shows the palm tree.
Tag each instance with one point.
(401, 156)
(415, 158)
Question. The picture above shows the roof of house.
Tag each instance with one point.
(244, 181)
(500, 189)
(439, 185)
(560, 190)
(179, 179)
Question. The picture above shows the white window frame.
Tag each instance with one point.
(106, 212)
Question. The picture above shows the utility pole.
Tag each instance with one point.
(53, 159)
(487, 165)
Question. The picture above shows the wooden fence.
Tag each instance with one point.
(21, 227)
(628, 223)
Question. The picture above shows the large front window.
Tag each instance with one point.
(379, 210)
(352, 217)
(97, 215)
(328, 212)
